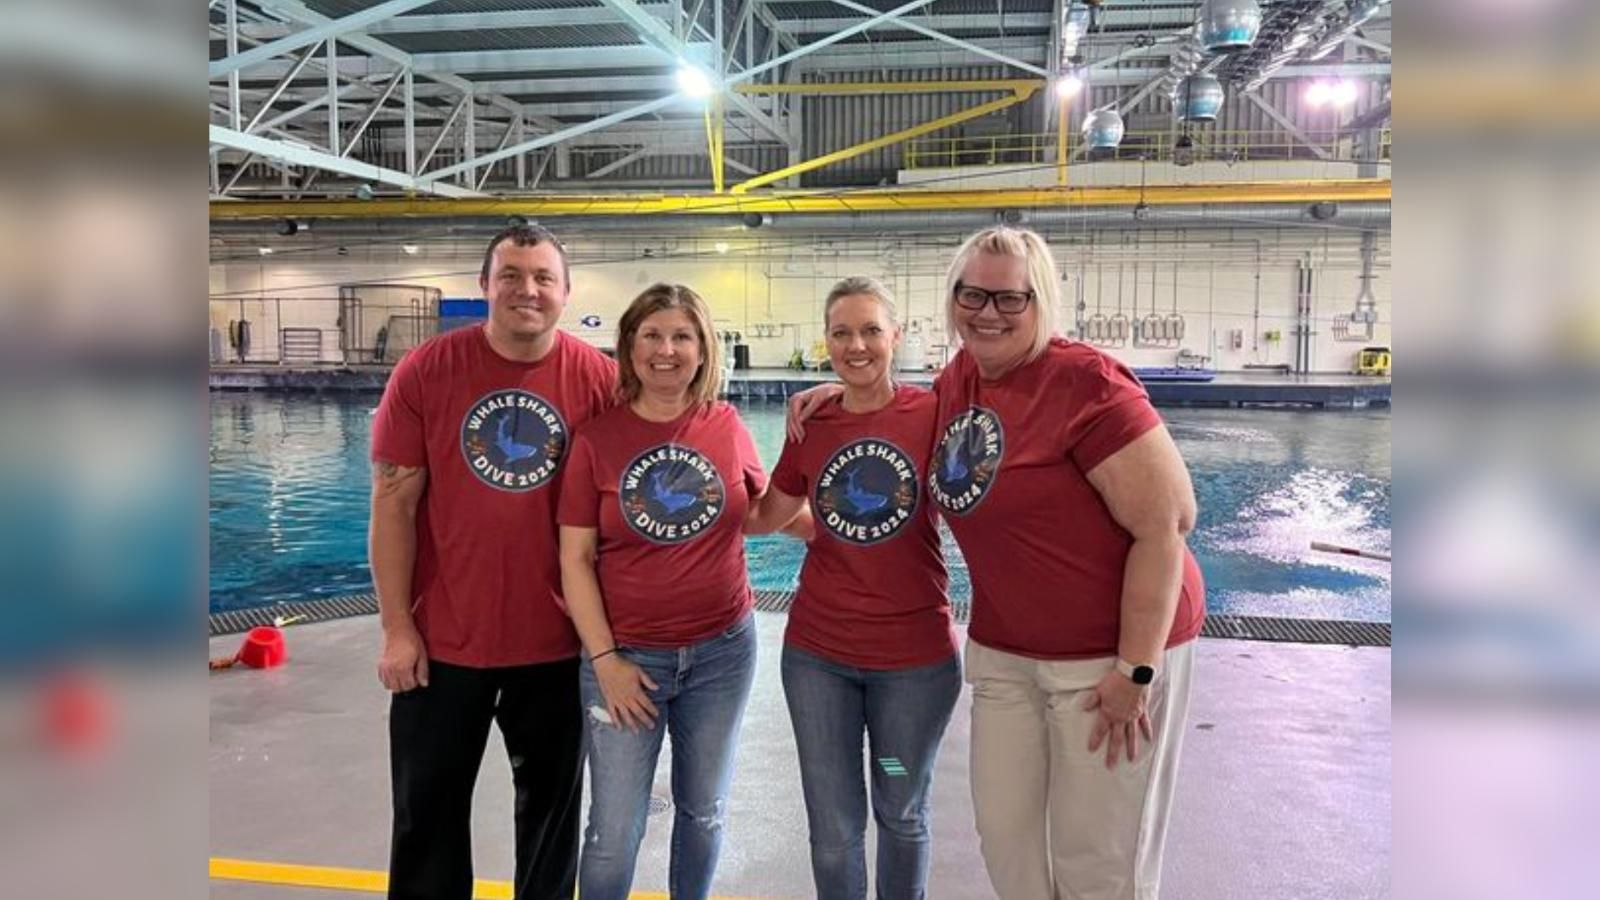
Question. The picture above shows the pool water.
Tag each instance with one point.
(290, 479)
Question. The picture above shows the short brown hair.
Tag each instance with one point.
(707, 383)
(527, 236)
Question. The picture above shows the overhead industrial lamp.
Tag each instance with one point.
(1069, 83)
(1183, 150)
(1229, 25)
(693, 81)
(1102, 129)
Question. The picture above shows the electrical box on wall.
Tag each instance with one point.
(1236, 339)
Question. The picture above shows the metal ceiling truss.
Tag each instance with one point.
(307, 77)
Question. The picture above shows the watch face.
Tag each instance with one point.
(1143, 674)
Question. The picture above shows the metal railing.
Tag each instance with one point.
(1153, 145)
(317, 331)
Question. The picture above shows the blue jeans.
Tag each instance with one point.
(904, 713)
(700, 699)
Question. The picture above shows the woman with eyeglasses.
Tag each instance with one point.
(869, 648)
(1071, 505)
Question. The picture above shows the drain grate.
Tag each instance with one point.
(1217, 625)
(1244, 628)
(1298, 631)
(323, 610)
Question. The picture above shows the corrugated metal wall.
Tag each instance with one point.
(832, 123)
(678, 166)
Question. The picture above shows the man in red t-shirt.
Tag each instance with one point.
(467, 450)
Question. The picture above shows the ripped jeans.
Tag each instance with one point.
(700, 697)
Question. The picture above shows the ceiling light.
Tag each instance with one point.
(410, 249)
(1183, 151)
(693, 81)
(1068, 85)
(1345, 92)
(1102, 129)
(1319, 94)
(721, 246)
(264, 251)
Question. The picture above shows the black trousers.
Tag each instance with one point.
(436, 739)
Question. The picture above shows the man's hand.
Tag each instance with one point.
(404, 664)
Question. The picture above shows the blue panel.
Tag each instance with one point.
(463, 307)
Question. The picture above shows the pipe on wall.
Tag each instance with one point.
(1362, 215)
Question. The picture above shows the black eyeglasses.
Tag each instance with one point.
(1008, 302)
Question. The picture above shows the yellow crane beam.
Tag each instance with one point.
(836, 201)
(1023, 91)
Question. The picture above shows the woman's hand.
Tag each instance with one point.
(1121, 716)
(623, 684)
(804, 405)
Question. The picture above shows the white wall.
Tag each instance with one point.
(780, 283)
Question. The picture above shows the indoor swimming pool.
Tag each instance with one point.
(289, 492)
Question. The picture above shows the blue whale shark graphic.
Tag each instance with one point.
(514, 452)
(669, 499)
(863, 501)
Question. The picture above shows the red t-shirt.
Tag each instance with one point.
(873, 587)
(494, 435)
(669, 500)
(1009, 475)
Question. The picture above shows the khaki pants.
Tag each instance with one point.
(1053, 821)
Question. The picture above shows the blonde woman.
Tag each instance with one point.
(869, 649)
(652, 517)
(1071, 505)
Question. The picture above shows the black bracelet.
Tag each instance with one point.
(604, 653)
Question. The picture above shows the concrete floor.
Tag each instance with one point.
(1284, 790)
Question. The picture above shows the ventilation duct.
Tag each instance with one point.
(1359, 324)
(1338, 30)
(1365, 215)
(1183, 61)
(1229, 25)
(1366, 303)
(1074, 25)
(1289, 28)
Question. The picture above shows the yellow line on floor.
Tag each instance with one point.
(367, 881)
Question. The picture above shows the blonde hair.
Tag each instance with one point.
(707, 383)
(1003, 240)
(860, 284)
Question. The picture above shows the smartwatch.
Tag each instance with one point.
(1136, 674)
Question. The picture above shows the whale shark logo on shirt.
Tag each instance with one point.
(866, 492)
(670, 494)
(969, 452)
(513, 440)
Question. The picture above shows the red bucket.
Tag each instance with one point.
(263, 648)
